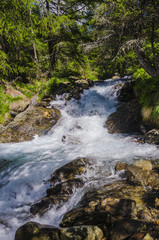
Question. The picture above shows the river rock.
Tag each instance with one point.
(116, 76)
(56, 195)
(144, 164)
(34, 120)
(128, 229)
(120, 166)
(21, 102)
(72, 89)
(127, 119)
(70, 170)
(82, 233)
(152, 137)
(65, 188)
(101, 206)
(126, 93)
(137, 175)
(64, 182)
(36, 231)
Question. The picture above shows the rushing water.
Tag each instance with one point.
(26, 167)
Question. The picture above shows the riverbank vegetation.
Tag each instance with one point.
(45, 42)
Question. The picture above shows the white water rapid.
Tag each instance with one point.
(25, 167)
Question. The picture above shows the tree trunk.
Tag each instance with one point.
(145, 63)
(58, 8)
(34, 48)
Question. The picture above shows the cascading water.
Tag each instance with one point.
(26, 167)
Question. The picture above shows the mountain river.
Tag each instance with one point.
(25, 167)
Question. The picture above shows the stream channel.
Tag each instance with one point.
(25, 167)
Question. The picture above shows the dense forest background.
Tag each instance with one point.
(45, 42)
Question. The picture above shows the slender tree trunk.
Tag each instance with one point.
(52, 41)
(146, 63)
(58, 8)
(34, 49)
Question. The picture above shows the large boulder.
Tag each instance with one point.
(20, 101)
(126, 93)
(127, 119)
(36, 231)
(138, 175)
(34, 120)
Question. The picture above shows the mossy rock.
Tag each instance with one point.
(33, 121)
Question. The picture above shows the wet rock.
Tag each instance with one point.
(34, 120)
(144, 164)
(120, 166)
(101, 207)
(116, 76)
(80, 216)
(137, 176)
(153, 180)
(142, 173)
(157, 202)
(36, 231)
(127, 119)
(82, 233)
(152, 137)
(56, 195)
(126, 93)
(103, 211)
(64, 182)
(73, 89)
(127, 229)
(70, 170)
(47, 203)
(65, 188)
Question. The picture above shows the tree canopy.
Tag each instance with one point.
(78, 37)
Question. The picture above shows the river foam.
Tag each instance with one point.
(26, 167)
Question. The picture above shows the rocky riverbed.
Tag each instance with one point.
(127, 208)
